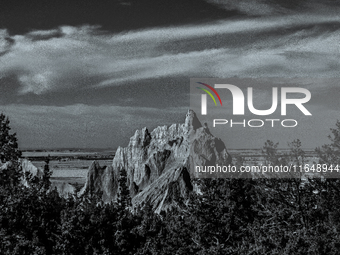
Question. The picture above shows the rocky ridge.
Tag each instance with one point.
(64, 189)
(26, 167)
(158, 163)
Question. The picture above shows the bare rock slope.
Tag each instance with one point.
(158, 163)
(101, 180)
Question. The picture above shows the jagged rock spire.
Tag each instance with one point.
(159, 160)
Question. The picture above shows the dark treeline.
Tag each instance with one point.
(226, 216)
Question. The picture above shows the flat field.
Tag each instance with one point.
(68, 165)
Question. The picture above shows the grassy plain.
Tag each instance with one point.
(70, 166)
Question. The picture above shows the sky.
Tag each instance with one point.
(87, 74)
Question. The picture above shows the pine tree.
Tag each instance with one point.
(8, 142)
(270, 152)
(124, 198)
(47, 174)
(329, 154)
(9, 153)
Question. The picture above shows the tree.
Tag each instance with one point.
(47, 174)
(9, 154)
(8, 142)
(329, 154)
(124, 198)
(270, 151)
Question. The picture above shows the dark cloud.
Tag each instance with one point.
(20, 17)
(278, 7)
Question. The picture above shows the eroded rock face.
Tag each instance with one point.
(26, 167)
(64, 189)
(157, 163)
(101, 181)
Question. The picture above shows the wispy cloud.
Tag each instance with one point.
(281, 46)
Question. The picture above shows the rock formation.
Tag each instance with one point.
(158, 163)
(26, 167)
(101, 181)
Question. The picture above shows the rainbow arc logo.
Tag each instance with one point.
(209, 93)
(204, 97)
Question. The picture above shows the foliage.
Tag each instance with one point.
(8, 142)
(270, 151)
(47, 174)
(9, 154)
(124, 199)
(291, 215)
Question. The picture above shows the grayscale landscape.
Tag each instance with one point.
(108, 142)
